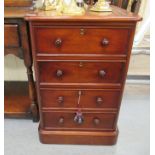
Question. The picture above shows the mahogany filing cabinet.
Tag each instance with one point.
(81, 63)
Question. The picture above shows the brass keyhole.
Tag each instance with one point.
(81, 64)
(82, 31)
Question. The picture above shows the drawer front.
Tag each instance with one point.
(81, 72)
(68, 98)
(81, 40)
(90, 121)
(11, 36)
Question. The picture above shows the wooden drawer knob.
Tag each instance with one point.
(58, 42)
(59, 73)
(105, 42)
(96, 121)
(102, 73)
(99, 100)
(61, 120)
(60, 99)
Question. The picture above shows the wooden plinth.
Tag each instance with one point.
(78, 137)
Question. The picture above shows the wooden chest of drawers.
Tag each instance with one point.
(81, 65)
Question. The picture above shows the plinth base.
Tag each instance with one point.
(78, 137)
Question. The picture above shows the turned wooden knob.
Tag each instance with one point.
(96, 121)
(99, 100)
(61, 120)
(60, 99)
(58, 42)
(59, 73)
(102, 73)
(105, 42)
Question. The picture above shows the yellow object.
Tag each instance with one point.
(48, 5)
(101, 6)
(73, 9)
(60, 7)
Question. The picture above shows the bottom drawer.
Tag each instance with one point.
(90, 121)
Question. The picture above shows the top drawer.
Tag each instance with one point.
(50, 40)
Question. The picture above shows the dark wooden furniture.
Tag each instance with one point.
(16, 98)
(81, 65)
(120, 3)
(16, 41)
(17, 44)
